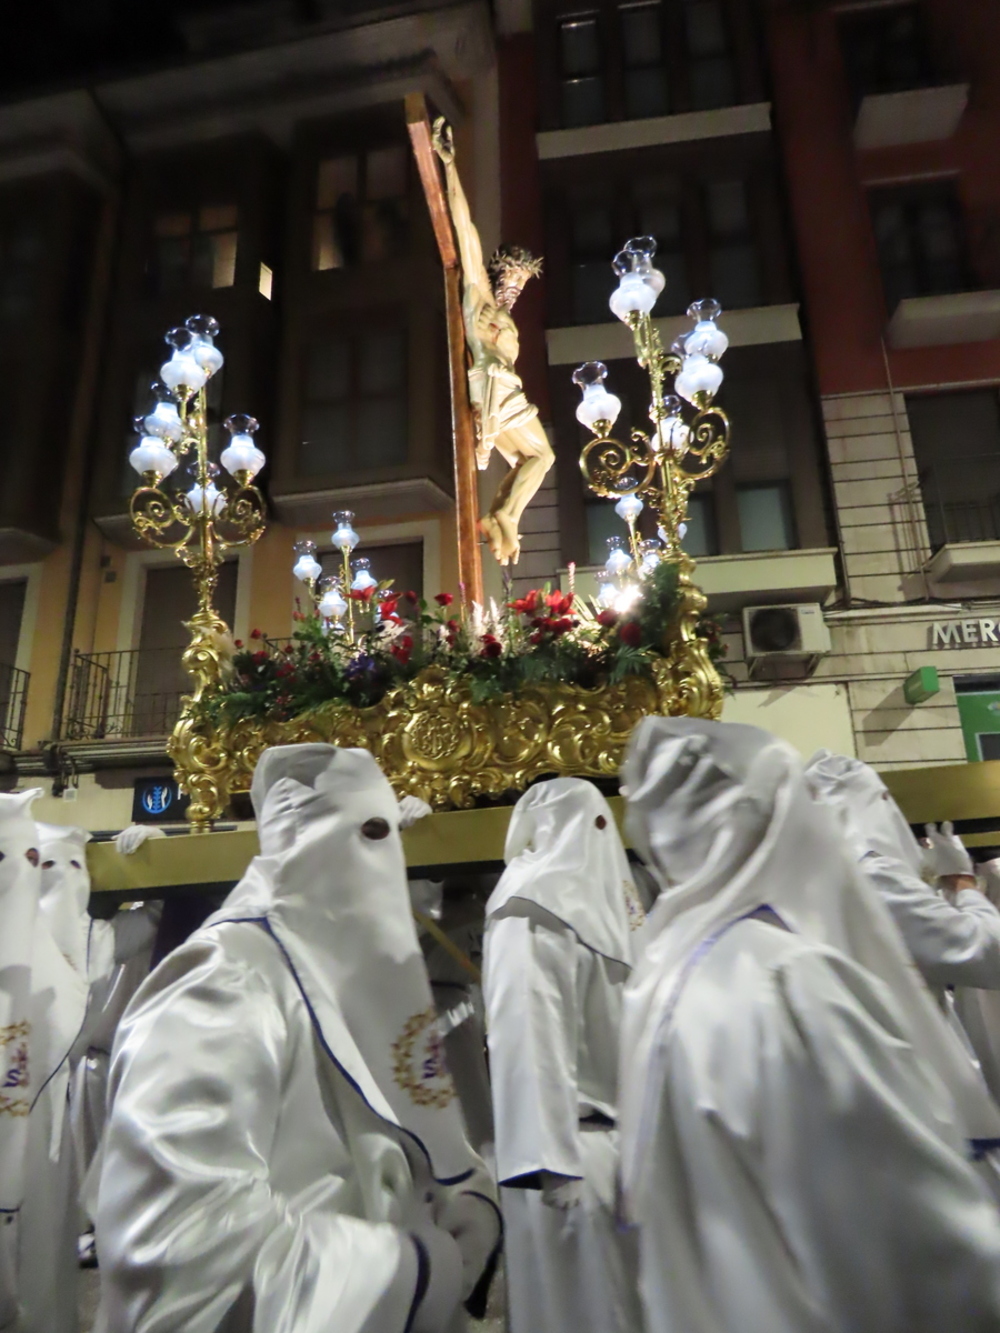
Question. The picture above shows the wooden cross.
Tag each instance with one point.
(470, 568)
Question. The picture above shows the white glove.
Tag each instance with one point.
(444, 1288)
(474, 1223)
(131, 839)
(946, 854)
(412, 808)
(562, 1192)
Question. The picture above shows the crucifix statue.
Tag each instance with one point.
(504, 419)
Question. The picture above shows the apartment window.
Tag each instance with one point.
(355, 411)
(734, 268)
(602, 523)
(701, 537)
(582, 92)
(661, 217)
(885, 50)
(709, 61)
(402, 562)
(956, 443)
(645, 74)
(12, 594)
(593, 241)
(361, 208)
(195, 248)
(765, 515)
(920, 241)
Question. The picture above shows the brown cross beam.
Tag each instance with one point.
(470, 569)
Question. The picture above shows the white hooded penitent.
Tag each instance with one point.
(280, 1124)
(560, 939)
(784, 1069)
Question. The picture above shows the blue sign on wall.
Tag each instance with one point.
(158, 801)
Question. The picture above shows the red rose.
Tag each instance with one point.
(536, 637)
(559, 627)
(444, 598)
(256, 634)
(607, 617)
(453, 626)
(260, 656)
(493, 649)
(411, 596)
(237, 643)
(631, 633)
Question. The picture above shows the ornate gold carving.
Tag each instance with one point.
(432, 740)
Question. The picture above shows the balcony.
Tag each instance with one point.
(759, 578)
(612, 341)
(123, 696)
(938, 321)
(13, 700)
(916, 115)
(962, 506)
(684, 127)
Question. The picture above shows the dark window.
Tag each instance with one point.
(920, 240)
(581, 72)
(661, 217)
(701, 538)
(602, 523)
(956, 442)
(645, 74)
(355, 410)
(765, 514)
(195, 248)
(593, 242)
(734, 268)
(709, 61)
(361, 208)
(21, 248)
(11, 612)
(885, 50)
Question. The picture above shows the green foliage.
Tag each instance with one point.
(545, 637)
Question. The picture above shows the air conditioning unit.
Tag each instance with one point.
(785, 633)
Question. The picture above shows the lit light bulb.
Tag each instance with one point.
(205, 500)
(597, 404)
(706, 338)
(674, 431)
(627, 597)
(241, 455)
(363, 579)
(331, 604)
(607, 589)
(698, 375)
(650, 555)
(165, 421)
(344, 537)
(639, 282)
(306, 568)
(205, 330)
(618, 558)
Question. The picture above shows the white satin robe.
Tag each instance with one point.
(246, 1185)
(798, 1168)
(553, 1010)
(956, 945)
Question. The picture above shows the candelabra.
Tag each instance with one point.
(327, 593)
(662, 468)
(198, 520)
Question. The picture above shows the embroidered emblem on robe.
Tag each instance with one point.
(418, 1064)
(634, 908)
(14, 1067)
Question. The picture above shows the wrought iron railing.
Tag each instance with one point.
(962, 499)
(123, 695)
(13, 701)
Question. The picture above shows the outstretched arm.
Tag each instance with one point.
(469, 245)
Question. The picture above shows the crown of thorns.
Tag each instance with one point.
(513, 261)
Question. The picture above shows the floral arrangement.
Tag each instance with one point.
(544, 636)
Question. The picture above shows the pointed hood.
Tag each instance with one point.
(722, 815)
(870, 818)
(66, 889)
(330, 886)
(564, 854)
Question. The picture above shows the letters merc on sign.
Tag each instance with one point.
(965, 633)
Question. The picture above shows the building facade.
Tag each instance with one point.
(824, 169)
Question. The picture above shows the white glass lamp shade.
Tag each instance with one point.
(628, 508)
(597, 404)
(674, 432)
(363, 579)
(242, 455)
(698, 375)
(182, 371)
(627, 597)
(331, 604)
(607, 589)
(165, 421)
(618, 558)
(344, 537)
(151, 454)
(706, 339)
(205, 500)
(650, 554)
(204, 330)
(637, 257)
(306, 568)
(632, 296)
